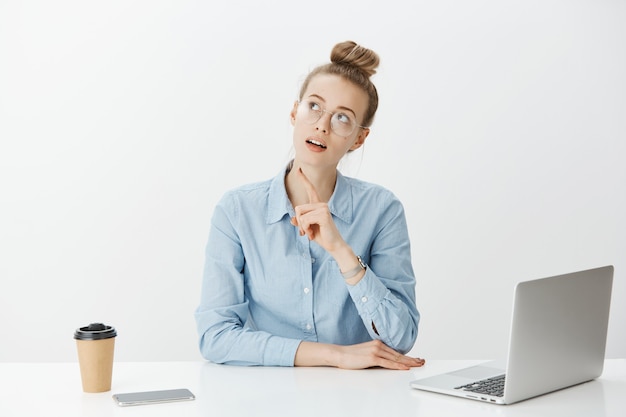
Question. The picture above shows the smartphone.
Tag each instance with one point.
(153, 397)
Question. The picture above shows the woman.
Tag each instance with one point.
(283, 285)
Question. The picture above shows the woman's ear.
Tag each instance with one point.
(294, 110)
(360, 139)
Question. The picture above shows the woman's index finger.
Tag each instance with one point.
(310, 188)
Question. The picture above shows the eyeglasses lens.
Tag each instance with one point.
(340, 123)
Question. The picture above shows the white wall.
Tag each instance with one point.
(502, 128)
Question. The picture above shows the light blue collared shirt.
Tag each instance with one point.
(266, 288)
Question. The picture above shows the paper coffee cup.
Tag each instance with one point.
(95, 344)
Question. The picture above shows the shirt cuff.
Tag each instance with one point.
(368, 293)
(280, 351)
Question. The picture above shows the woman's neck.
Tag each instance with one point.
(323, 181)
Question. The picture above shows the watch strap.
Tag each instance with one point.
(351, 273)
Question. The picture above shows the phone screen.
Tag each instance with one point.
(153, 397)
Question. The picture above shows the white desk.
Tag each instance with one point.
(54, 389)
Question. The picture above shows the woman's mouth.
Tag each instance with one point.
(316, 143)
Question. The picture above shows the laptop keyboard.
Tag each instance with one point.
(490, 386)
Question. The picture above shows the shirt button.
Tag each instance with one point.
(306, 290)
(364, 300)
(308, 326)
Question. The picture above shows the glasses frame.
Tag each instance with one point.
(321, 113)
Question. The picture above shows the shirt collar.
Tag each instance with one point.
(340, 204)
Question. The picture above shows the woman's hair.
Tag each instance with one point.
(353, 63)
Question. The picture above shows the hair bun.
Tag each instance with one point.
(350, 53)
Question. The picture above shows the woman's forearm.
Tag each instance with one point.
(360, 356)
(315, 354)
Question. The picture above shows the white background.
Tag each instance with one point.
(502, 128)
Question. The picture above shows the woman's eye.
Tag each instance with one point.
(314, 106)
(344, 118)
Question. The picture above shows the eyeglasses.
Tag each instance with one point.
(341, 123)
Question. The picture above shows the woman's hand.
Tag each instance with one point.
(361, 356)
(315, 220)
(375, 353)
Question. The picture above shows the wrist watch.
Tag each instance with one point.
(361, 266)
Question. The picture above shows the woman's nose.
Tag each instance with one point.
(323, 124)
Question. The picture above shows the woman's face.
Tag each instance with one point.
(317, 143)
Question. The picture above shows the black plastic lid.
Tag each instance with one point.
(95, 331)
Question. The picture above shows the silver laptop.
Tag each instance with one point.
(558, 339)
